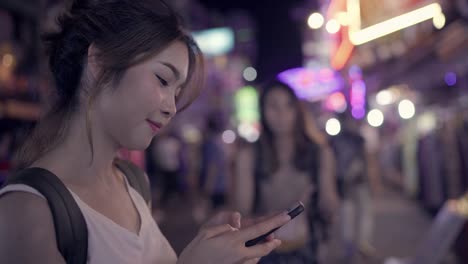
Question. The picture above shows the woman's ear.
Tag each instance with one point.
(93, 66)
(91, 71)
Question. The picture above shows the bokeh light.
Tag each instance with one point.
(250, 74)
(336, 102)
(406, 109)
(333, 26)
(333, 127)
(450, 78)
(385, 97)
(375, 118)
(315, 21)
(229, 136)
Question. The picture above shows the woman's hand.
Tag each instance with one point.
(224, 217)
(225, 244)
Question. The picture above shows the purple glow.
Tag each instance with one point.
(358, 113)
(358, 99)
(355, 72)
(358, 94)
(312, 84)
(327, 74)
(450, 78)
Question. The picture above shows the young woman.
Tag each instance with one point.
(121, 68)
(284, 166)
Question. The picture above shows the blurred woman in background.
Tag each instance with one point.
(285, 165)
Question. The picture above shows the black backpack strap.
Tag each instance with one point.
(136, 178)
(70, 226)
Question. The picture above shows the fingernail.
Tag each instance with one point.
(286, 216)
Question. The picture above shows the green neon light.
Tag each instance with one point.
(246, 105)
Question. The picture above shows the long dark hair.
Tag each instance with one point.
(305, 149)
(125, 33)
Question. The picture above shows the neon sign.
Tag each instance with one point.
(312, 84)
(349, 12)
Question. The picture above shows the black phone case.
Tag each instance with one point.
(292, 213)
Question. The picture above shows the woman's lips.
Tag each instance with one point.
(155, 127)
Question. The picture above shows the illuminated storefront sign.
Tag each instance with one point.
(215, 41)
(354, 14)
(359, 35)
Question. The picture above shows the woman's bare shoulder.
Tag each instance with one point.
(27, 227)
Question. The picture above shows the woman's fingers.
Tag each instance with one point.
(236, 220)
(210, 232)
(270, 237)
(252, 261)
(250, 221)
(225, 217)
(262, 249)
(264, 227)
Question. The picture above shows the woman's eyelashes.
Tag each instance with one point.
(166, 83)
(162, 80)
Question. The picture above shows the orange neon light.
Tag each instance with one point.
(343, 50)
(342, 54)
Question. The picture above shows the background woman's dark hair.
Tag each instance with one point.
(125, 33)
(305, 149)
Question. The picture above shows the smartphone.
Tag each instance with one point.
(292, 213)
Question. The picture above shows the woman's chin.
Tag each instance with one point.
(138, 144)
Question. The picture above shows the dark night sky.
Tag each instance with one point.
(279, 37)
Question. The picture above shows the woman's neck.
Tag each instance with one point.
(284, 145)
(73, 160)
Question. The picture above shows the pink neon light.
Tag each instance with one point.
(336, 102)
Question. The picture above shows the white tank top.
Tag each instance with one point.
(108, 242)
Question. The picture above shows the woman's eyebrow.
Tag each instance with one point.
(174, 70)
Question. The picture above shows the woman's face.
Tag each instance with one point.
(280, 112)
(143, 102)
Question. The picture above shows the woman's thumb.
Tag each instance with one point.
(236, 220)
